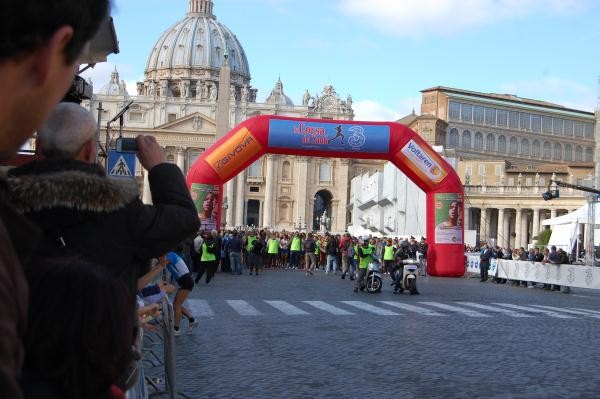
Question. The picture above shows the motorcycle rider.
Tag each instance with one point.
(397, 272)
(404, 252)
(365, 256)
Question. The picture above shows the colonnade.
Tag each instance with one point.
(511, 227)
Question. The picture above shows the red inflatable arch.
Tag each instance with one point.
(341, 139)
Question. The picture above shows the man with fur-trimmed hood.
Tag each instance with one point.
(82, 211)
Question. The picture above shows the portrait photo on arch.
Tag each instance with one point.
(448, 218)
(206, 199)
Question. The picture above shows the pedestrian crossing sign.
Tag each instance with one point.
(121, 164)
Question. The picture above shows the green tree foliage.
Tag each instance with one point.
(544, 237)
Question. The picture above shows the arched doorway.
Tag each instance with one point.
(322, 204)
(253, 213)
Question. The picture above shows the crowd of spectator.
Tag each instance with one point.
(536, 254)
(256, 250)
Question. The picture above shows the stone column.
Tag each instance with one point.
(147, 195)
(501, 239)
(488, 223)
(229, 189)
(482, 225)
(181, 159)
(342, 184)
(270, 188)
(552, 213)
(524, 228)
(301, 193)
(467, 218)
(506, 228)
(535, 228)
(239, 199)
(518, 228)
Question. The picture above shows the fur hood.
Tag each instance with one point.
(72, 189)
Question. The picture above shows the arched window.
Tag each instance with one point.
(589, 154)
(535, 149)
(490, 142)
(557, 152)
(568, 152)
(546, 150)
(513, 147)
(466, 139)
(453, 142)
(525, 147)
(171, 158)
(324, 172)
(254, 169)
(578, 154)
(502, 144)
(285, 170)
(478, 141)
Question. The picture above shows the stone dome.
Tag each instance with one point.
(278, 97)
(115, 87)
(195, 44)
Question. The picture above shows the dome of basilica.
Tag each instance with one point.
(196, 44)
(115, 87)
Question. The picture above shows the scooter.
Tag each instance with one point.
(409, 277)
(373, 280)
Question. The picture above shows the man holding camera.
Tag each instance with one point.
(82, 211)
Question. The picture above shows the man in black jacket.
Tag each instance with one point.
(82, 211)
(484, 262)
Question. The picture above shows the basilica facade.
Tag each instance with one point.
(197, 87)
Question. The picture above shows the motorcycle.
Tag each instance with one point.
(409, 277)
(373, 279)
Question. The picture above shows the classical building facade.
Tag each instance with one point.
(196, 87)
(508, 149)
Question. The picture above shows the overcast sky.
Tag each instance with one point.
(383, 52)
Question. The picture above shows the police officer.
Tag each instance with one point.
(365, 256)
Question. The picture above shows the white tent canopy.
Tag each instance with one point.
(579, 216)
(565, 228)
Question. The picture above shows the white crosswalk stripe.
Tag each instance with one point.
(587, 310)
(243, 308)
(370, 308)
(287, 308)
(207, 308)
(466, 312)
(199, 308)
(328, 308)
(569, 311)
(507, 312)
(412, 308)
(535, 310)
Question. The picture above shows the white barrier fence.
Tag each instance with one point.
(580, 276)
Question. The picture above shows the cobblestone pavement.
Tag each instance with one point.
(286, 335)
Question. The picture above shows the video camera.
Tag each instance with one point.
(96, 50)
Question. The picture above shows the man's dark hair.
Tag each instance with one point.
(27, 24)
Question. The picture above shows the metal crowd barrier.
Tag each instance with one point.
(157, 367)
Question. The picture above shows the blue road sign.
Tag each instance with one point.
(121, 164)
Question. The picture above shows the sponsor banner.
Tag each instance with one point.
(422, 161)
(334, 137)
(206, 199)
(448, 218)
(579, 276)
(241, 147)
(473, 265)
